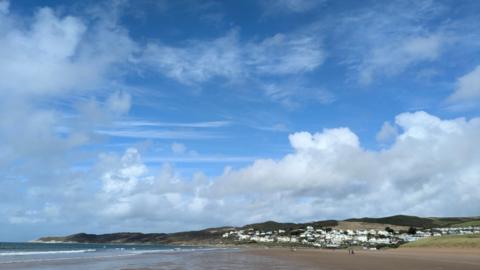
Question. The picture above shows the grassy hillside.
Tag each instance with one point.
(452, 241)
(421, 222)
(467, 224)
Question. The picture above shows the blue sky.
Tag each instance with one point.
(166, 115)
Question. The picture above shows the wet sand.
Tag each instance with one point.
(273, 258)
(411, 259)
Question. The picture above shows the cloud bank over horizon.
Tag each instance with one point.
(326, 175)
(130, 116)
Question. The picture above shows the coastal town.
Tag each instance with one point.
(336, 238)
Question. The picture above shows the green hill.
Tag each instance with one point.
(449, 241)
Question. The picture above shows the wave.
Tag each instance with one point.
(98, 255)
(26, 253)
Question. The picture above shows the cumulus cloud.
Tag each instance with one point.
(467, 89)
(327, 175)
(50, 57)
(54, 72)
(339, 178)
(53, 54)
(129, 191)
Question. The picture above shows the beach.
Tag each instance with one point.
(412, 258)
(272, 258)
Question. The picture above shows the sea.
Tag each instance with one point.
(66, 256)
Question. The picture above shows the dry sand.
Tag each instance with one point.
(411, 259)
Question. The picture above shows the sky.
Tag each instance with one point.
(164, 116)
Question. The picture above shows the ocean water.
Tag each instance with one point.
(25, 252)
(40, 256)
(77, 256)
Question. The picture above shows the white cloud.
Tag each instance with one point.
(119, 103)
(52, 54)
(292, 94)
(159, 134)
(198, 61)
(43, 59)
(393, 58)
(54, 69)
(248, 63)
(393, 38)
(331, 171)
(468, 88)
(129, 192)
(178, 148)
(289, 6)
(208, 124)
(226, 57)
(327, 175)
(194, 157)
(283, 54)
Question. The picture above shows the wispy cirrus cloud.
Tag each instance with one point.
(138, 129)
(467, 91)
(207, 124)
(272, 7)
(198, 60)
(201, 159)
(229, 58)
(293, 94)
(393, 38)
(160, 134)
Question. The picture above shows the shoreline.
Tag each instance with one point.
(264, 257)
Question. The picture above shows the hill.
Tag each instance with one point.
(272, 225)
(207, 236)
(450, 241)
(214, 235)
(419, 222)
